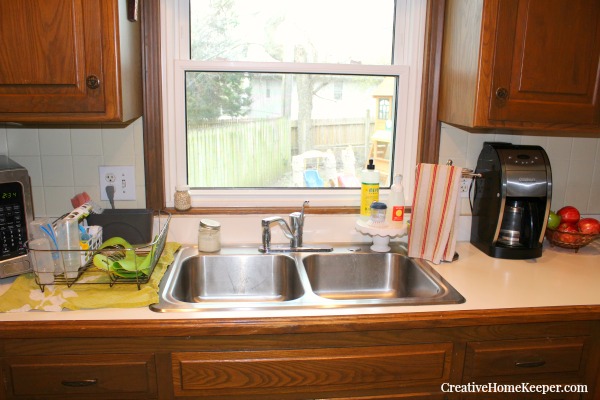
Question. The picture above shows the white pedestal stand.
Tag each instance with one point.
(381, 235)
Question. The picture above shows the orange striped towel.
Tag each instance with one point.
(434, 212)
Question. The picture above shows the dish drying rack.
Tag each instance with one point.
(143, 258)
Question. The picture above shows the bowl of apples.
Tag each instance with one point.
(567, 229)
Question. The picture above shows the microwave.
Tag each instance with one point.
(16, 212)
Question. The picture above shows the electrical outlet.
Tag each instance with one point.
(464, 187)
(122, 177)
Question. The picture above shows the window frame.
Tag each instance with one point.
(155, 122)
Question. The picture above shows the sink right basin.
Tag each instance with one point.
(368, 276)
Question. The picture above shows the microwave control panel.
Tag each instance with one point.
(13, 225)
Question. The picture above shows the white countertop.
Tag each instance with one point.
(560, 277)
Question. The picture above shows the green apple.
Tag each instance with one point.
(553, 220)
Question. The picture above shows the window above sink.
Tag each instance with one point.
(258, 83)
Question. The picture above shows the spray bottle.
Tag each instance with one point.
(396, 202)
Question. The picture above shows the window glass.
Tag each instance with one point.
(302, 129)
(314, 31)
(267, 102)
(302, 134)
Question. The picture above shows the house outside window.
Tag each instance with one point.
(255, 112)
(384, 109)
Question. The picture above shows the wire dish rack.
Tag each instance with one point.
(115, 261)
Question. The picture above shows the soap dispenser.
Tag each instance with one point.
(369, 189)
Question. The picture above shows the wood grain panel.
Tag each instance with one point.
(49, 49)
(310, 370)
(78, 375)
(524, 357)
(548, 58)
(39, 30)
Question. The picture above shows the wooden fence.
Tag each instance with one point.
(238, 153)
(258, 153)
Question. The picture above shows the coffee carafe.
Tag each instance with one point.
(510, 228)
(511, 200)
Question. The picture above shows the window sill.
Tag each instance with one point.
(263, 210)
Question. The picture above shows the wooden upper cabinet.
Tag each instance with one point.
(69, 61)
(521, 64)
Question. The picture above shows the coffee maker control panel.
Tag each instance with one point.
(521, 159)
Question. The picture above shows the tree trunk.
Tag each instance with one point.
(304, 87)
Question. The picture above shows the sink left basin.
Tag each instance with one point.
(222, 278)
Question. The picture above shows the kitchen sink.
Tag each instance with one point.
(349, 276)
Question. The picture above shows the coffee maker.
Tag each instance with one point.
(511, 201)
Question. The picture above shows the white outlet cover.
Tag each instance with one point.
(122, 177)
(464, 187)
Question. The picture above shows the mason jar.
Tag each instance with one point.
(182, 200)
(209, 236)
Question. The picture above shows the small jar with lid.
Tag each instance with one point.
(183, 200)
(209, 236)
(378, 211)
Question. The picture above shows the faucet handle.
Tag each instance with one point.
(304, 205)
(297, 225)
(297, 217)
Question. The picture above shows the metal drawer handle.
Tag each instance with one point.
(530, 364)
(92, 81)
(82, 383)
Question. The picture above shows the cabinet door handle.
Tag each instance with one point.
(92, 81)
(502, 93)
(81, 383)
(530, 364)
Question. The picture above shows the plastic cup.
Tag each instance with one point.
(67, 234)
(41, 258)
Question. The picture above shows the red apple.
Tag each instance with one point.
(589, 226)
(567, 230)
(569, 215)
(567, 227)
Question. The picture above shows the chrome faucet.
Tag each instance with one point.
(293, 231)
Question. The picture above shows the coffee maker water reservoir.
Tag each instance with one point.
(511, 200)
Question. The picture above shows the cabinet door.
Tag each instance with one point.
(50, 48)
(313, 373)
(546, 64)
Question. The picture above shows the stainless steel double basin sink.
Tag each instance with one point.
(349, 276)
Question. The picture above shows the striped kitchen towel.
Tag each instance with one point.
(435, 211)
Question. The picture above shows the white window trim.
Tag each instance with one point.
(175, 58)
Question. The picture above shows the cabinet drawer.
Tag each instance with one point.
(525, 357)
(129, 375)
(311, 371)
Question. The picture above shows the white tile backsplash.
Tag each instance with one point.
(22, 141)
(63, 160)
(57, 171)
(575, 162)
(55, 141)
(86, 141)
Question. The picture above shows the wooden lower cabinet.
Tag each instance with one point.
(351, 363)
(312, 373)
(537, 368)
(130, 376)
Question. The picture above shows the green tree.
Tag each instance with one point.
(210, 95)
